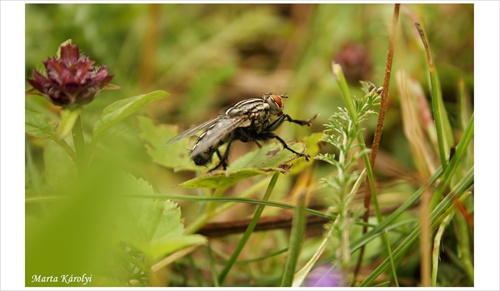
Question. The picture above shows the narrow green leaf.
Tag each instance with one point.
(58, 165)
(453, 165)
(249, 230)
(301, 274)
(391, 259)
(376, 231)
(296, 238)
(38, 125)
(436, 251)
(122, 109)
(436, 217)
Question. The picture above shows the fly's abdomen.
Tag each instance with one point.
(206, 146)
(203, 158)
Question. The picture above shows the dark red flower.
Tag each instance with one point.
(71, 79)
(355, 62)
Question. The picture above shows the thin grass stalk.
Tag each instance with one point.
(195, 270)
(465, 109)
(302, 273)
(443, 128)
(377, 230)
(249, 230)
(413, 127)
(198, 223)
(463, 104)
(296, 238)
(393, 266)
(464, 247)
(461, 150)
(425, 240)
(270, 255)
(231, 202)
(211, 262)
(378, 131)
(444, 207)
(437, 246)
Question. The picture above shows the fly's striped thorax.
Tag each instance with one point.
(247, 107)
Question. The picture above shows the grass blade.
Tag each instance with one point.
(296, 238)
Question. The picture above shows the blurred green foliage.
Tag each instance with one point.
(208, 56)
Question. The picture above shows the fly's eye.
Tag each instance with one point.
(278, 100)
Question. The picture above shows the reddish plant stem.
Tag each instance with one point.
(380, 125)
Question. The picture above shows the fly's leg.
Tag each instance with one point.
(222, 158)
(268, 135)
(222, 162)
(273, 126)
(301, 122)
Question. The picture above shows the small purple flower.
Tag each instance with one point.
(71, 79)
(325, 276)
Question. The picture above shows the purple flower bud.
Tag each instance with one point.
(71, 79)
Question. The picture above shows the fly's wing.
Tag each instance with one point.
(218, 132)
(193, 130)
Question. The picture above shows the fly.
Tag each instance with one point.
(252, 119)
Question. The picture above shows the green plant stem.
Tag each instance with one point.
(248, 231)
(378, 132)
(346, 96)
(339, 76)
(64, 145)
(79, 142)
(296, 238)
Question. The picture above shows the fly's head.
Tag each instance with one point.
(275, 103)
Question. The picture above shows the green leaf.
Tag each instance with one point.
(220, 180)
(59, 167)
(39, 125)
(153, 226)
(269, 158)
(175, 156)
(122, 109)
(312, 149)
(68, 119)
